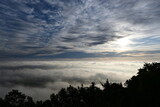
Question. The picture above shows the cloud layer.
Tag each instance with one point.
(41, 78)
(45, 28)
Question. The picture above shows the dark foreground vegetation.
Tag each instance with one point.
(142, 90)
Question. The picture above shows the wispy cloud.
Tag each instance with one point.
(85, 26)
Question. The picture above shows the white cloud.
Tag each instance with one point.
(90, 26)
(41, 78)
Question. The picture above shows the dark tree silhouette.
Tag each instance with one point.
(15, 99)
(113, 94)
(29, 102)
(54, 100)
(144, 88)
(2, 103)
(92, 96)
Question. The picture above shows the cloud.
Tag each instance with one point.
(48, 29)
(81, 25)
(53, 75)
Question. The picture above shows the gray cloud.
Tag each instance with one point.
(11, 79)
(27, 67)
(75, 25)
(53, 75)
(140, 53)
(35, 76)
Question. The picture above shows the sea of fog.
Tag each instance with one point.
(41, 78)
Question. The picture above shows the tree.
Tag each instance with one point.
(54, 100)
(113, 94)
(15, 99)
(2, 103)
(144, 88)
(29, 102)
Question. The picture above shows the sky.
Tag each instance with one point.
(48, 44)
